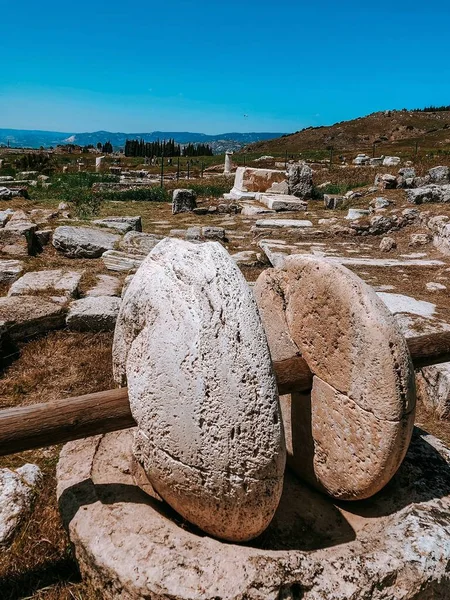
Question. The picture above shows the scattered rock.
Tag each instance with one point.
(429, 193)
(250, 210)
(386, 181)
(283, 223)
(299, 179)
(193, 233)
(407, 172)
(361, 159)
(419, 239)
(282, 202)
(387, 244)
(356, 213)
(433, 389)
(333, 201)
(432, 286)
(43, 237)
(391, 161)
(200, 211)
(106, 285)
(183, 201)
(246, 258)
(18, 238)
(83, 242)
(226, 209)
(122, 261)
(139, 243)
(382, 224)
(96, 313)
(50, 283)
(5, 215)
(41, 216)
(379, 203)
(17, 491)
(439, 175)
(121, 224)
(27, 316)
(213, 233)
(10, 270)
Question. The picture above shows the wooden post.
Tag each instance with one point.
(178, 168)
(35, 426)
(162, 169)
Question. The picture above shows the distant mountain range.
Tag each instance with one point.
(23, 138)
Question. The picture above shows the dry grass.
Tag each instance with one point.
(39, 564)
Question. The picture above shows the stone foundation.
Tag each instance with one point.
(131, 546)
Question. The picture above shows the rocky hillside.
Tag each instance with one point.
(390, 130)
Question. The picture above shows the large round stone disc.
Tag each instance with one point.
(350, 437)
(190, 344)
(132, 547)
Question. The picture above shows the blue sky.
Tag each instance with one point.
(201, 66)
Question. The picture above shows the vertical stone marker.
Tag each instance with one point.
(191, 347)
(98, 163)
(228, 163)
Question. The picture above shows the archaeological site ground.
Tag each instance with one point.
(269, 335)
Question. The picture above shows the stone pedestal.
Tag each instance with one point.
(131, 546)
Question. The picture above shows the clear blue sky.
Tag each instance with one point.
(195, 65)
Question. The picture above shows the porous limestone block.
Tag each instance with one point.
(361, 367)
(129, 545)
(248, 179)
(191, 347)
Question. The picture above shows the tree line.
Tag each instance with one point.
(165, 148)
(432, 109)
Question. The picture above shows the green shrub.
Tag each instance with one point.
(77, 189)
(83, 179)
(87, 204)
(152, 194)
(43, 163)
(214, 190)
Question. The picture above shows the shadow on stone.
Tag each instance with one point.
(423, 476)
(304, 520)
(86, 492)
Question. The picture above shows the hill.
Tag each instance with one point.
(22, 138)
(391, 131)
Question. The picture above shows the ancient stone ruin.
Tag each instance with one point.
(261, 441)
